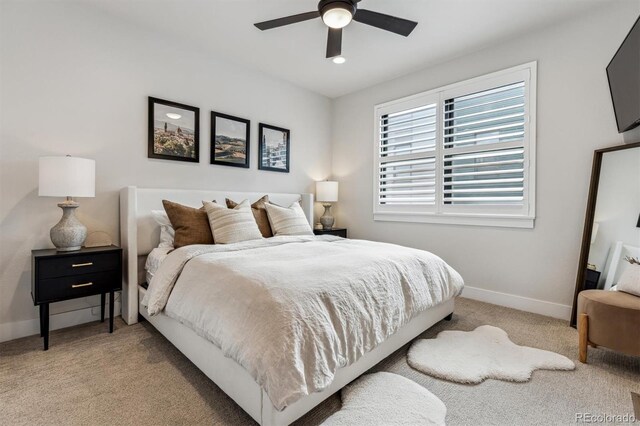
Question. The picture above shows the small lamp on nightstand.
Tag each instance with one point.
(327, 193)
(594, 232)
(67, 177)
(594, 235)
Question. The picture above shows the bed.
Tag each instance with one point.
(616, 263)
(140, 235)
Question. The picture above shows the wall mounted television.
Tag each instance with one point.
(623, 73)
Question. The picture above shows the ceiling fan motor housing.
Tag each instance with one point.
(326, 5)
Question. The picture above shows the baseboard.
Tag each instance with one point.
(550, 309)
(18, 329)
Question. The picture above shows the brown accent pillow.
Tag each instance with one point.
(259, 213)
(191, 224)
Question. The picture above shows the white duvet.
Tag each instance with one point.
(293, 310)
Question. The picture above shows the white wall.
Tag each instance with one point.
(75, 81)
(617, 205)
(529, 269)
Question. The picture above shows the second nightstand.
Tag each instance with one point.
(340, 232)
(591, 278)
(59, 275)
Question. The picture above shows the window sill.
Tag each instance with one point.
(457, 219)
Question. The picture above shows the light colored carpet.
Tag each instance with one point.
(484, 353)
(387, 399)
(136, 377)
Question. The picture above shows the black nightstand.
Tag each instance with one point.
(59, 275)
(591, 278)
(339, 232)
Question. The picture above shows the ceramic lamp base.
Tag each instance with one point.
(69, 234)
(327, 220)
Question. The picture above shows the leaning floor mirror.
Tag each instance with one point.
(612, 221)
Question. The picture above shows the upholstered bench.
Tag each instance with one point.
(610, 319)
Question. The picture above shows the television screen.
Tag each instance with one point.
(624, 80)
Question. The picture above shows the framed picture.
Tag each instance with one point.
(230, 142)
(174, 131)
(273, 148)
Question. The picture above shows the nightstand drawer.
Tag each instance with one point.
(338, 232)
(77, 286)
(77, 265)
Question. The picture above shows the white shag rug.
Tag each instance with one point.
(484, 353)
(387, 399)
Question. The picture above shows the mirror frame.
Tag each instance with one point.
(588, 220)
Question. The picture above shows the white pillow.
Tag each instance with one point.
(232, 225)
(288, 221)
(167, 233)
(630, 280)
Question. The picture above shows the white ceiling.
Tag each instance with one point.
(296, 53)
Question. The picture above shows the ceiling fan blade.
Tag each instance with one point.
(280, 22)
(334, 42)
(385, 22)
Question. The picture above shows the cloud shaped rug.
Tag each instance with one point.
(484, 353)
(387, 399)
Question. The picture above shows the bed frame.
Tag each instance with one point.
(613, 268)
(140, 234)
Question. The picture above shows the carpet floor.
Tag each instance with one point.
(136, 377)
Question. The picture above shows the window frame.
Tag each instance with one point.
(501, 216)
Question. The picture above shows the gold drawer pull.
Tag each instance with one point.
(80, 265)
(81, 285)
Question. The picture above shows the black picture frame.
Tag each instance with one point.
(266, 162)
(152, 148)
(247, 141)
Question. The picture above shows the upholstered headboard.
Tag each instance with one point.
(139, 233)
(616, 263)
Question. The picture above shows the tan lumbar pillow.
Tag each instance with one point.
(191, 225)
(232, 225)
(259, 213)
(288, 221)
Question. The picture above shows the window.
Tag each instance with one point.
(463, 154)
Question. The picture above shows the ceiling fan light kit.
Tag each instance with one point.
(337, 14)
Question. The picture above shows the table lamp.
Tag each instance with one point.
(67, 177)
(327, 193)
(594, 232)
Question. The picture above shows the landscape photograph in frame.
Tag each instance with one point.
(230, 140)
(173, 131)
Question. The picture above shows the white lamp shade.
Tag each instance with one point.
(594, 232)
(327, 191)
(67, 177)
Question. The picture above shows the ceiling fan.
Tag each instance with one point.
(337, 14)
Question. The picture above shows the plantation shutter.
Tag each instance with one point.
(484, 147)
(464, 153)
(407, 160)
